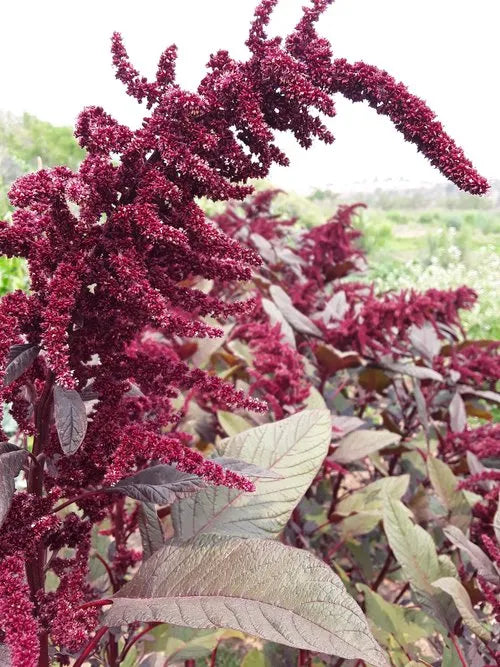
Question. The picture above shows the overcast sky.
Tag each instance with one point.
(55, 59)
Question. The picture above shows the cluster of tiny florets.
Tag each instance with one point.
(115, 251)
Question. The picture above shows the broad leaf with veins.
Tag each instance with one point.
(70, 417)
(261, 587)
(293, 448)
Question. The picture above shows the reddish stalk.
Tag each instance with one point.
(461, 656)
(304, 658)
(35, 567)
(90, 646)
(383, 571)
(109, 572)
(135, 639)
(81, 496)
(213, 657)
(95, 603)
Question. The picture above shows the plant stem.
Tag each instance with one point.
(304, 658)
(90, 646)
(75, 499)
(461, 656)
(135, 639)
(335, 491)
(383, 572)
(109, 572)
(35, 567)
(213, 657)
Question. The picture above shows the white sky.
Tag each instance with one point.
(55, 60)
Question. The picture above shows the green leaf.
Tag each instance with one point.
(407, 625)
(294, 448)
(445, 485)
(315, 400)
(254, 658)
(359, 524)
(257, 586)
(462, 600)
(176, 644)
(359, 444)
(415, 551)
(231, 423)
(412, 545)
(371, 497)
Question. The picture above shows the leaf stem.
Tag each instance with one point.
(90, 646)
(461, 656)
(383, 571)
(135, 639)
(75, 499)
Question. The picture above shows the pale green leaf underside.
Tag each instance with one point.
(260, 587)
(294, 448)
(359, 444)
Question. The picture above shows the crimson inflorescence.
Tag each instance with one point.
(115, 252)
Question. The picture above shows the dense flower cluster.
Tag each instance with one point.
(483, 441)
(277, 371)
(115, 251)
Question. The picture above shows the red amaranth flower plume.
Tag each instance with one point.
(115, 251)
(16, 614)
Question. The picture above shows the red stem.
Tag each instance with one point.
(304, 658)
(383, 572)
(461, 656)
(75, 499)
(213, 657)
(90, 646)
(95, 603)
(135, 639)
(35, 567)
(109, 572)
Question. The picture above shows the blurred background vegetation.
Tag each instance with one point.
(416, 237)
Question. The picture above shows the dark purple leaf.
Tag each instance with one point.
(336, 308)
(491, 396)
(294, 317)
(150, 528)
(276, 317)
(259, 586)
(11, 462)
(478, 558)
(345, 424)
(244, 468)
(161, 484)
(458, 415)
(425, 340)
(20, 359)
(264, 247)
(419, 372)
(70, 417)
